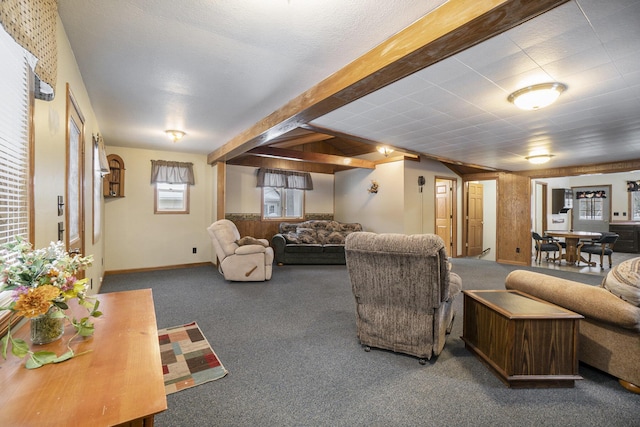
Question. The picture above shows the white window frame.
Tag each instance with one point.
(278, 211)
(590, 209)
(180, 193)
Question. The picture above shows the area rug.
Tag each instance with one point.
(187, 358)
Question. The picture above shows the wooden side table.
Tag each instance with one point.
(118, 382)
(525, 341)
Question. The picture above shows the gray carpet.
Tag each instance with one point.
(294, 360)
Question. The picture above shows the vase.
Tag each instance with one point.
(47, 327)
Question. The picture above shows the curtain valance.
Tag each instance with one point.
(633, 185)
(284, 179)
(102, 155)
(591, 194)
(172, 172)
(32, 24)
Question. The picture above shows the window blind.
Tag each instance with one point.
(14, 147)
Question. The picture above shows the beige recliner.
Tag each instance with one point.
(242, 260)
(404, 291)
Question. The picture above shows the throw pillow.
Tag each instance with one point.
(248, 240)
(291, 238)
(307, 235)
(624, 281)
(335, 238)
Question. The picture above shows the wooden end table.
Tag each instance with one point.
(525, 341)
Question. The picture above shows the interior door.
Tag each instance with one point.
(74, 215)
(475, 217)
(444, 213)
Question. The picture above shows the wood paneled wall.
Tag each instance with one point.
(514, 219)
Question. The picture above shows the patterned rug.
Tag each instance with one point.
(187, 358)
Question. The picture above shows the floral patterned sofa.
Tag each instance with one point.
(312, 242)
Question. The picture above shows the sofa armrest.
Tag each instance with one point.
(278, 242)
(591, 301)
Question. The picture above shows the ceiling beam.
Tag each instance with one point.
(307, 156)
(445, 31)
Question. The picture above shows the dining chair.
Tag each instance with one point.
(546, 244)
(602, 246)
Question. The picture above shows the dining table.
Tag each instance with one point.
(572, 239)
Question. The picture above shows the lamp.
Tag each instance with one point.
(537, 96)
(539, 159)
(385, 150)
(175, 135)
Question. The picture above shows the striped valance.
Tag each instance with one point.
(284, 179)
(172, 172)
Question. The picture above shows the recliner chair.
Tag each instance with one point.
(404, 291)
(237, 262)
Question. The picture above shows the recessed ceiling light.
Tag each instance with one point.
(537, 96)
(539, 159)
(175, 135)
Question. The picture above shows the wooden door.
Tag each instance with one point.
(74, 215)
(474, 219)
(444, 213)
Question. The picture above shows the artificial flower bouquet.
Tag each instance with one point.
(42, 282)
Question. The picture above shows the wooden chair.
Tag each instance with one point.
(546, 244)
(603, 246)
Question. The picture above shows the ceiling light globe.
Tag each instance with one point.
(537, 96)
(539, 159)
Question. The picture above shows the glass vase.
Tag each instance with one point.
(47, 327)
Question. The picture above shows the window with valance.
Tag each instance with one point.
(283, 193)
(633, 187)
(172, 181)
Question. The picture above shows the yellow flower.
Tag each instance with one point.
(78, 287)
(36, 301)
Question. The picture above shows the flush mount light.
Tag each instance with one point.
(175, 135)
(385, 151)
(537, 96)
(539, 159)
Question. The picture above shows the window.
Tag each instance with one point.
(172, 198)
(16, 196)
(635, 205)
(278, 203)
(590, 209)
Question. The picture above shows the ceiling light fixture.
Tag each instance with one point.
(385, 151)
(537, 96)
(539, 159)
(175, 135)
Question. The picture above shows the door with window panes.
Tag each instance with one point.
(591, 208)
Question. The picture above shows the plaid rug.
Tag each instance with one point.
(187, 358)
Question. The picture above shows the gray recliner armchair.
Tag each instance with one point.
(404, 291)
(243, 260)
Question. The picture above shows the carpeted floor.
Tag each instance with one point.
(294, 360)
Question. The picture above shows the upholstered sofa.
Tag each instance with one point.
(609, 337)
(311, 242)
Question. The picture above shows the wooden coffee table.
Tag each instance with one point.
(525, 341)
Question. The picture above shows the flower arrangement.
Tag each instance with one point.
(43, 281)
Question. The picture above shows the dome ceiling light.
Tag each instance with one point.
(537, 96)
(539, 159)
(175, 135)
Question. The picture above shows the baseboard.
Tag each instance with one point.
(166, 267)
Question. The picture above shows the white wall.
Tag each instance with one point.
(135, 237)
(50, 158)
(381, 212)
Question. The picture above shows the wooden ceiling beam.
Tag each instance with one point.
(445, 31)
(307, 156)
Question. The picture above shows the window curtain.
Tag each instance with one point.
(32, 24)
(102, 156)
(633, 186)
(284, 179)
(172, 172)
(591, 195)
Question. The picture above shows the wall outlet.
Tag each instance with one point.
(195, 250)
(517, 250)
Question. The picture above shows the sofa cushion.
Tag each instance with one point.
(624, 281)
(307, 236)
(304, 249)
(329, 248)
(335, 238)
